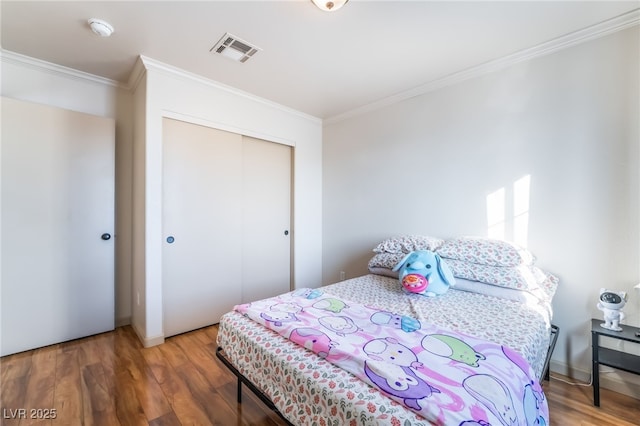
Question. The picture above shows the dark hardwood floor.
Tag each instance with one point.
(110, 379)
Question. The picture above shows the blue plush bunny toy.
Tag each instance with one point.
(424, 272)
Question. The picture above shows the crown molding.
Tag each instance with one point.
(7, 56)
(136, 74)
(178, 72)
(601, 29)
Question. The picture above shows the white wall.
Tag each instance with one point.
(36, 81)
(426, 165)
(176, 94)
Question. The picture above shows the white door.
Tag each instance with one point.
(57, 225)
(266, 266)
(202, 224)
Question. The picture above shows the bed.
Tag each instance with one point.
(305, 388)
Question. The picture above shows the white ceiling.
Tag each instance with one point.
(323, 64)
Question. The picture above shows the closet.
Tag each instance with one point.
(226, 223)
(57, 225)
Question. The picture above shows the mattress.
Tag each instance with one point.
(307, 389)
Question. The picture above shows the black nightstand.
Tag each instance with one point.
(611, 357)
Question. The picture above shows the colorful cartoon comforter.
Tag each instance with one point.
(445, 376)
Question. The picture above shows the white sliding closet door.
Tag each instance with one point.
(57, 225)
(266, 243)
(202, 221)
(226, 220)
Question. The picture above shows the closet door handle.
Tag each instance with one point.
(106, 236)
(286, 232)
(170, 239)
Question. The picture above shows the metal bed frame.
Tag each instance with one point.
(242, 379)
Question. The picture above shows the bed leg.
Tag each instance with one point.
(552, 344)
(239, 391)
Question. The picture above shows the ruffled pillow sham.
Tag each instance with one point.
(485, 251)
(408, 243)
(383, 263)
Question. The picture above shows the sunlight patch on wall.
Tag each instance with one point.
(496, 214)
(521, 210)
(508, 212)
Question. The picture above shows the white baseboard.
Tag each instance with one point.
(148, 342)
(610, 378)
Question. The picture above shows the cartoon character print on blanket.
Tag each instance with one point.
(452, 348)
(280, 313)
(390, 368)
(313, 340)
(402, 322)
(446, 377)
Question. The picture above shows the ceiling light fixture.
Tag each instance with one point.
(328, 5)
(100, 27)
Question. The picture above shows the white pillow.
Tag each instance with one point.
(523, 277)
(524, 296)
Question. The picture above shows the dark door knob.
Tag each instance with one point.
(106, 236)
(170, 239)
(286, 232)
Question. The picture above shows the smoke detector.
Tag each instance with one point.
(234, 48)
(100, 27)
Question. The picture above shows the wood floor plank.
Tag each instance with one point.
(95, 391)
(212, 333)
(204, 336)
(150, 394)
(168, 419)
(15, 366)
(205, 395)
(574, 405)
(174, 353)
(158, 364)
(129, 411)
(108, 347)
(34, 420)
(12, 400)
(41, 384)
(111, 380)
(148, 391)
(205, 362)
(89, 352)
(185, 407)
(68, 389)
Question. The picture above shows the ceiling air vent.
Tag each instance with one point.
(234, 48)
